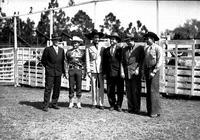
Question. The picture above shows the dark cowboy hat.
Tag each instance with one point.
(129, 38)
(151, 35)
(93, 33)
(55, 37)
(114, 35)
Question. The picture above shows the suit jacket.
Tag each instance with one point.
(132, 60)
(53, 62)
(112, 64)
(95, 56)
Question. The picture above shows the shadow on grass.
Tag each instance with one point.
(180, 97)
(39, 105)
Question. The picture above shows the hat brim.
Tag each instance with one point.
(77, 41)
(90, 36)
(56, 38)
(113, 36)
(151, 35)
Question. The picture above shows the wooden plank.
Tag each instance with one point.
(178, 78)
(179, 72)
(197, 41)
(179, 91)
(181, 42)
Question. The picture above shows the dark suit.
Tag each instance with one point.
(112, 70)
(132, 60)
(54, 67)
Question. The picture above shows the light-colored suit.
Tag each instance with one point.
(94, 56)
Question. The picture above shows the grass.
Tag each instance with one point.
(21, 117)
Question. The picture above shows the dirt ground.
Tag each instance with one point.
(21, 118)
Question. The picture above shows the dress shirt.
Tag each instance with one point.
(154, 56)
(56, 49)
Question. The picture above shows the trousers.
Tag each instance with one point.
(52, 82)
(75, 79)
(115, 86)
(97, 83)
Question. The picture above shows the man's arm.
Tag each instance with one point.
(44, 57)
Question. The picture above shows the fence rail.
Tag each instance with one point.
(6, 65)
(182, 68)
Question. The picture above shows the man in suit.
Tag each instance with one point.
(53, 60)
(94, 52)
(112, 69)
(132, 60)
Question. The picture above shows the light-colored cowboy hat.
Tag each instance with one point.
(76, 39)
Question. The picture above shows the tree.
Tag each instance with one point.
(111, 23)
(60, 22)
(83, 23)
(189, 30)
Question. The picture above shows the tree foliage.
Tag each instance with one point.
(82, 23)
(112, 24)
(79, 24)
(189, 30)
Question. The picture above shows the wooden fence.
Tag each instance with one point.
(182, 67)
(180, 73)
(31, 71)
(6, 65)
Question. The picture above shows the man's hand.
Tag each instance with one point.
(137, 71)
(65, 76)
(122, 75)
(89, 74)
(152, 74)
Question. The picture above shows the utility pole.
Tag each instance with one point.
(16, 82)
(157, 17)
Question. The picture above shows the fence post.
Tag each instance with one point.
(16, 82)
(51, 24)
(193, 67)
(176, 69)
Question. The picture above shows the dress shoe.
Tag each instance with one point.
(155, 115)
(55, 107)
(94, 106)
(111, 108)
(101, 107)
(45, 109)
(119, 109)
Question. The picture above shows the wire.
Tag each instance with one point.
(58, 8)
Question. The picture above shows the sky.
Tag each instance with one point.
(171, 13)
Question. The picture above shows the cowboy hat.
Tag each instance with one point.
(55, 37)
(76, 39)
(114, 35)
(151, 35)
(93, 33)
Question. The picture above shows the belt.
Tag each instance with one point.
(74, 67)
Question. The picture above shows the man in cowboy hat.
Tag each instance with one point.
(94, 56)
(53, 60)
(112, 69)
(152, 64)
(132, 61)
(75, 58)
